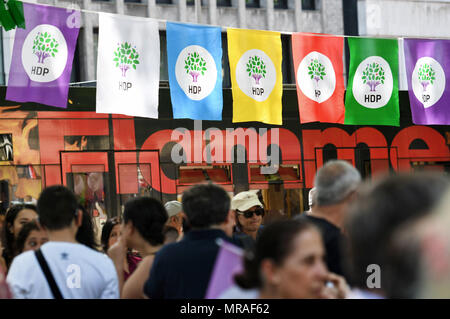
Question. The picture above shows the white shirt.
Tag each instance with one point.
(79, 272)
(236, 292)
(363, 294)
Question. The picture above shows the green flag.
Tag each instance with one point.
(372, 91)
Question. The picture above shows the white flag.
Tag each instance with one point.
(128, 66)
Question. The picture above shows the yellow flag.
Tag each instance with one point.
(256, 79)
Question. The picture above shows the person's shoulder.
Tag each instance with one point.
(77, 248)
(25, 259)
(320, 222)
(25, 262)
(168, 251)
(236, 292)
(146, 262)
(96, 256)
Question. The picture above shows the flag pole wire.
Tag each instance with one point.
(224, 28)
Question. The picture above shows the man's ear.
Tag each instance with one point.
(269, 272)
(231, 217)
(79, 218)
(128, 229)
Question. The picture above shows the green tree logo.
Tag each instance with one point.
(373, 76)
(126, 57)
(426, 75)
(256, 68)
(44, 46)
(194, 65)
(316, 70)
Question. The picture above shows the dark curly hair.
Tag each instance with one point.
(7, 236)
(86, 233)
(23, 235)
(106, 231)
(148, 216)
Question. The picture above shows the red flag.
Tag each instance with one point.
(31, 172)
(319, 77)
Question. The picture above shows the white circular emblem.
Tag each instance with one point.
(428, 81)
(373, 83)
(316, 77)
(256, 75)
(196, 72)
(44, 53)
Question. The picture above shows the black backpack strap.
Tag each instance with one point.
(48, 275)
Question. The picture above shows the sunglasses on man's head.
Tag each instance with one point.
(249, 213)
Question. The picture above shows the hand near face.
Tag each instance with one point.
(338, 289)
(118, 251)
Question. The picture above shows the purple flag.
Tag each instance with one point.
(228, 263)
(42, 56)
(428, 73)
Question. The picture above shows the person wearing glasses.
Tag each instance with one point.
(249, 214)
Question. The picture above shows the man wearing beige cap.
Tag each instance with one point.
(249, 214)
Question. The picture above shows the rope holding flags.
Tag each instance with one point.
(128, 70)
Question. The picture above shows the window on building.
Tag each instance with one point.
(287, 63)
(252, 3)
(134, 1)
(95, 39)
(192, 2)
(224, 3)
(21, 183)
(280, 4)
(75, 75)
(196, 174)
(164, 1)
(163, 66)
(226, 80)
(219, 3)
(308, 4)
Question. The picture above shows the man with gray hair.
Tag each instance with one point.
(335, 185)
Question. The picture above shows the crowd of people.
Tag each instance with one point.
(386, 237)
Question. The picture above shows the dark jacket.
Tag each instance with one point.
(182, 270)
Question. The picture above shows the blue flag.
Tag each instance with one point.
(194, 55)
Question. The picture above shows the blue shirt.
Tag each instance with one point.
(182, 270)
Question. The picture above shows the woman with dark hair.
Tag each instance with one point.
(86, 234)
(30, 237)
(16, 216)
(110, 235)
(144, 219)
(287, 262)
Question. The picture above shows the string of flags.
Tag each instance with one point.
(128, 65)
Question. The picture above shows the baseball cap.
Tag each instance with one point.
(173, 207)
(245, 200)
